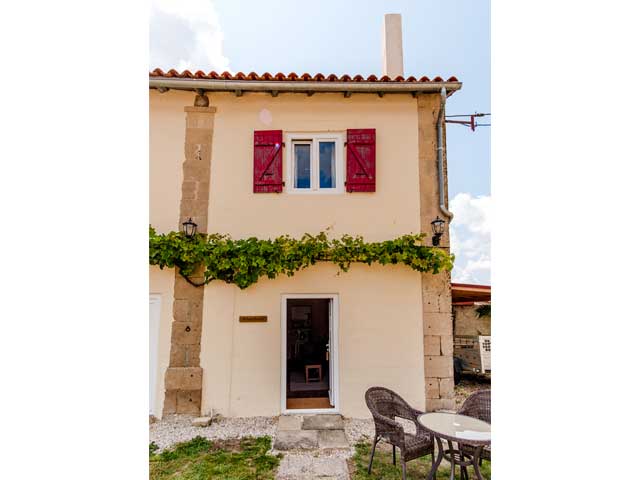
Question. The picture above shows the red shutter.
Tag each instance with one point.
(267, 161)
(361, 160)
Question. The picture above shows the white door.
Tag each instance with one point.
(154, 334)
(330, 349)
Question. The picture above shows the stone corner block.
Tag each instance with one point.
(446, 345)
(200, 109)
(186, 333)
(446, 388)
(437, 323)
(438, 366)
(189, 401)
(170, 402)
(440, 404)
(183, 378)
(432, 345)
(432, 387)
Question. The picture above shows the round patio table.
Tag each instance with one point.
(460, 429)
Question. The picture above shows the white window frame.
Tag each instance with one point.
(315, 138)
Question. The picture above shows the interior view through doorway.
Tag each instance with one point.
(308, 355)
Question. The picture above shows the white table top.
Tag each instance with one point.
(456, 426)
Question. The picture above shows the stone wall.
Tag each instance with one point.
(466, 321)
(436, 289)
(183, 378)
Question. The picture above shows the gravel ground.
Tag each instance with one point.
(177, 428)
(358, 429)
(469, 384)
(296, 465)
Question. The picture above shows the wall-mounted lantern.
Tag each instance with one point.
(189, 228)
(438, 229)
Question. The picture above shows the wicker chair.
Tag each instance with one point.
(478, 405)
(385, 405)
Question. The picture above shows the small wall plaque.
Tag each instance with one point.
(252, 318)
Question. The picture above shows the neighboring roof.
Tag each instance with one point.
(463, 293)
(293, 82)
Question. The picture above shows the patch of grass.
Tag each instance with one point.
(202, 459)
(383, 468)
(152, 448)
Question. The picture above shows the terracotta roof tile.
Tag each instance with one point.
(292, 77)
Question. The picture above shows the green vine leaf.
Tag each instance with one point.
(243, 262)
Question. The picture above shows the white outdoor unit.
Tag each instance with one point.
(485, 353)
(475, 351)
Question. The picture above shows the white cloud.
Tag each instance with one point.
(186, 35)
(471, 238)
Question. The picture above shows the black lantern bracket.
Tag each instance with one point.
(190, 228)
(437, 226)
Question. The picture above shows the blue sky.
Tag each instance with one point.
(439, 38)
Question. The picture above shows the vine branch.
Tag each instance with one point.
(243, 262)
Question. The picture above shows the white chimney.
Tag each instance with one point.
(392, 63)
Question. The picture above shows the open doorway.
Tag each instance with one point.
(309, 366)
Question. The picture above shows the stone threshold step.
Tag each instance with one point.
(311, 422)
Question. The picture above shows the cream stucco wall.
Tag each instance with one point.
(379, 337)
(166, 154)
(161, 283)
(380, 330)
(234, 209)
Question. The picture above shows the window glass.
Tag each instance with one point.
(302, 174)
(327, 164)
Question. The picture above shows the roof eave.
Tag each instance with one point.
(300, 86)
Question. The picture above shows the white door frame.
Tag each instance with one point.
(334, 381)
(154, 341)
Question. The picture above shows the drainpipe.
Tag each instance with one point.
(443, 207)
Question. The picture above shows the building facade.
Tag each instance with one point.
(264, 156)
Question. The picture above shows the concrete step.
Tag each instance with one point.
(332, 439)
(296, 439)
(289, 422)
(310, 439)
(323, 422)
(296, 432)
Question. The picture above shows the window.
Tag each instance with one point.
(327, 165)
(315, 163)
(302, 165)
